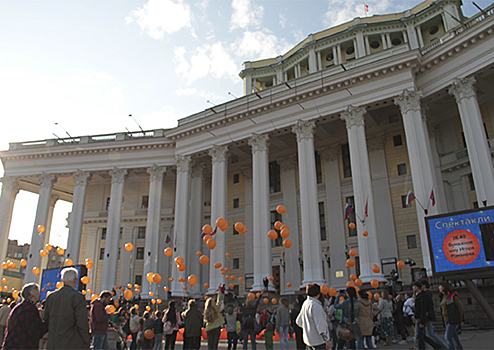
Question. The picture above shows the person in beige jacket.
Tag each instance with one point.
(366, 312)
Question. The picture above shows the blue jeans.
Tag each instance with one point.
(367, 339)
(252, 339)
(158, 340)
(283, 337)
(430, 332)
(100, 341)
(452, 337)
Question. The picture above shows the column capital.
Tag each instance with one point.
(375, 142)
(287, 163)
(81, 178)
(330, 154)
(409, 101)
(10, 183)
(198, 169)
(304, 130)
(219, 154)
(156, 172)
(353, 116)
(183, 163)
(259, 143)
(118, 175)
(47, 180)
(463, 88)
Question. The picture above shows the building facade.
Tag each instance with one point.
(359, 114)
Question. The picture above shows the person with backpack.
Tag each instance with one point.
(452, 311)
(250, 327)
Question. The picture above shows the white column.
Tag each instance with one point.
(359, 39)
(459, 189)
(292, 256)
(336, 59)
(419, 36)
(362, 191)
(196, 219)
(10, 188)
(182, 197)
(436, 168)
(152, 245)
(127, 259)
(405, 36)
(384, 42)
(47, 233)
(312, 60)
(219, 155)
(412, 36)
(248, 220)
(338, 50)
(388, 40)
(109, 274)
(355, 48)
(261, 218)
(336, 230)
(478, 150)
(319, 61)
(309, 206)
(81, 179)
(367, 45)
(420, 162)
(34, 260)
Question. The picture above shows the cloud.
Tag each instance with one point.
(158, 17)
(282, 20)
(344, 11)
(162, 119)
(206, 94)
(259, 44)
(245, 14)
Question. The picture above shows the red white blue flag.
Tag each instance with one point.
(410, 198)
(168, 239)
(348, 210)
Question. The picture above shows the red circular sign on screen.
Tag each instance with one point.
(461, 247)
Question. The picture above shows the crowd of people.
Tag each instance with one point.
(348, 320)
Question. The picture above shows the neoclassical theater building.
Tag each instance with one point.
(358, 114)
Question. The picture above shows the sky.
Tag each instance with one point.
(87, 65)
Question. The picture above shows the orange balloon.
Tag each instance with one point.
(281, 209)
(149, 333)
(48, 247)
(170, 279)
(15, 294)
(365, 233)
(69, 262)
(89, 265)
(271, 278)
(350, 284)
(43, 253)
(179, 260)
(85, 280)
(350, 262)
(375, 268)
(351, 225)
(88, 260)
(358, 282)
(181, 267)
(232, 277)
(199, 253)
(204, 260)
(227, 277)
(353, 277)
(129, 246)
(159, 301)
(136, 286)
(23, 262)
(251, 296)
(111, 309)
(244, 230)
(324, 289)
(206, 238)
(377, 296)
(4, 280)
(277, 225)
(211, 243)
(192, 280)
(288, 284)
(206, 285)
(333, 292)
(166, 288)
(240, 279)
(353, 252)
(137, 290)
(153, 301)
(94, 297)
(265, 300)
(285, 233)
(287, 243)
(185, 287)
(272, 234)
(157, 278)
(374, 284)
(36, 270)
(150, 277)
(207, 229)
(59, 285)
(168, 251)
(228, 255)
(231, 285)
(89, 291)
(60, 251)
(13, 265)
(239, 227)
(122, 288)
(400, 264)
(217, 265)
(41, 228)
(151, 293)
(223, 272)
(274, 301)
(136, 306)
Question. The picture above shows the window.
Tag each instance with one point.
(141, 232)
(347, 167)
(103, 233)
(236, 202)
(107, 203)
(236, 263)
(375, 44)
(412, 242)
(236, 178)
(352, 232)
(144, 202)
(404, 202)
(397, 140)
(475, 205)
(471, 182)
(402, 169)
(278, 241)
(318, 168)
(138, 280)
(396, 41)
(102, 254)
(274, 177)
(322, 221)
(140, 253)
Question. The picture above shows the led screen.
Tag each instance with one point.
(51, 277)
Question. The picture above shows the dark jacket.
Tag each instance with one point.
(421, 306)
(193, 322)
(158, 326)
(66, 314)
(398, 312)
(98, 321)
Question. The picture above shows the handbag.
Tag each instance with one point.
(344, 332)
(168, 328)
